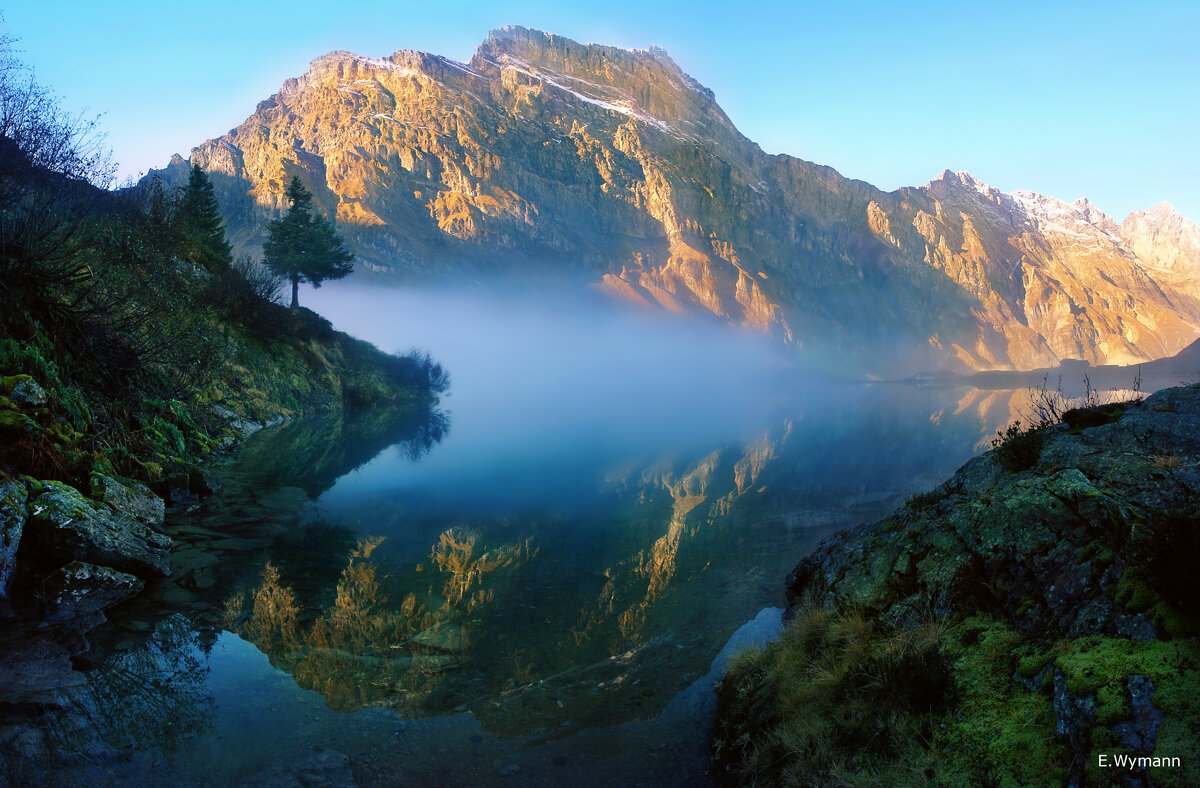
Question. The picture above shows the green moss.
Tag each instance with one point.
(1033, 664)
(1101, 666)
(1001, 734)
(14, 424)
(1133, 591)
(838, 695)
(58, 503)
(8, 383)
(795, 711)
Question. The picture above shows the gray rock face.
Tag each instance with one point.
(79, 591)
(245, 426)
(131, 498)
(1140, 734)
(1074, 714)
(65, 526)
(28, 394)
(12, 524)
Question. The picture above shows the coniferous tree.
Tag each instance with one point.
(303, 246)
(200, 216)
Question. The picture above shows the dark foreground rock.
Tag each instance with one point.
(66, 526)
(12, 526)
(1057, 576)
(79, 590)
(65, 557)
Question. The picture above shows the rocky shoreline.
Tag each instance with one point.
(1040, 608)
(82, 552)
(67, 557)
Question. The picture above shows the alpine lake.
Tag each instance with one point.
(535, 581)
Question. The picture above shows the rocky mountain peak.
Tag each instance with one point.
(1096, 217)
(544, 154)
(950, 184)
(643, 83)
(1163, 213)
(1166, 240)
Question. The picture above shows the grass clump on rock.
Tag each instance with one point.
(841, 698)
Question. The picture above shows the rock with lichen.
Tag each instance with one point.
(65, 526)
(80, 591)
(1059, 584)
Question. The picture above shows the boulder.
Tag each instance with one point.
(12, 523)
(15, 425)
(132, 498)
(65, 526)
(79, 591)
(27, 393)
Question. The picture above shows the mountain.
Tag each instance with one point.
(545, 158)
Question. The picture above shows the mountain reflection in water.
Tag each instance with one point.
(583, 610)
(453, 605)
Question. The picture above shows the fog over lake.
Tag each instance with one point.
(533, 575)
(541, 387)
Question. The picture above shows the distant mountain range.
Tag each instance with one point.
(546, 158)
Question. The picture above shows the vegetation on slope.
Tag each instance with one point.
(132, 346)
(133, 342)
(1034, 613)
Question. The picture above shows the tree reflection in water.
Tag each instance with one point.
(312, 453)
(378, 642)
(153, 696)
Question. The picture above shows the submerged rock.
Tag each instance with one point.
(323, 768)
(79, 591)
(65, 526)
(36, 671)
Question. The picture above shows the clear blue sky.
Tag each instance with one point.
(1097, 99)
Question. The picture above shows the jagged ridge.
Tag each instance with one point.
(546, 156)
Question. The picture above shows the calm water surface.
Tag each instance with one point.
(533, 582)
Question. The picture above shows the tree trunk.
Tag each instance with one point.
(295, 292)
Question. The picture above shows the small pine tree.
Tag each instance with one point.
(303, 246)
(200, 219)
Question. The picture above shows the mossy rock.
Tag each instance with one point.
(14, 424)
(8, 383)
(66, 526)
